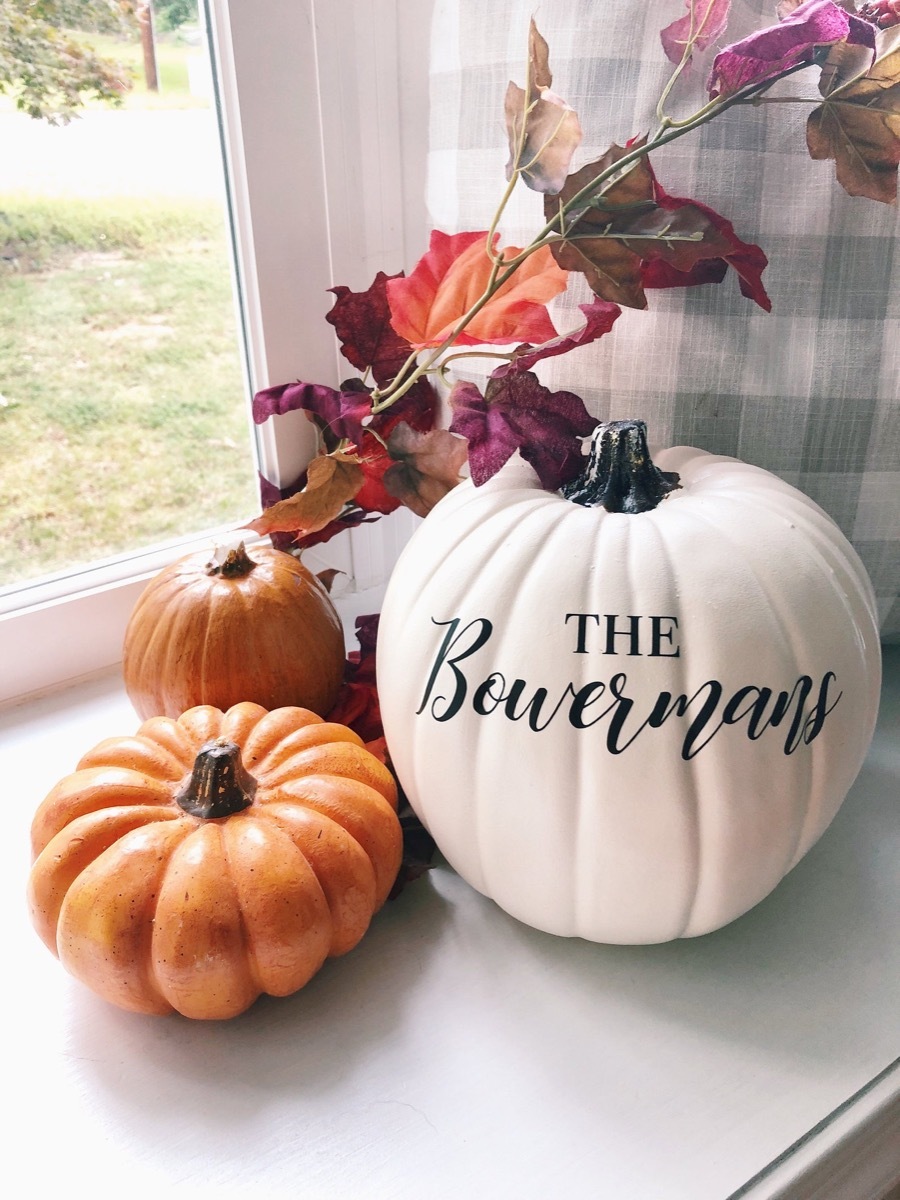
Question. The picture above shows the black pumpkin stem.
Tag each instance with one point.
(620, 475)
(235, 565)
(219, 784)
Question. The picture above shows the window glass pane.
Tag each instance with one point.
(123, 416)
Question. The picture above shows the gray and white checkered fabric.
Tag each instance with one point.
(809, 391)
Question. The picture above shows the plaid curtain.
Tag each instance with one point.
(809, 391)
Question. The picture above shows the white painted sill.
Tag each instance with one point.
(457, 1053)
(57, 637)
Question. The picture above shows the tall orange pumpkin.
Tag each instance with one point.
(218, 632)
(207, 860)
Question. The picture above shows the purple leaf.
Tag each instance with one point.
(270, 493)
(704, 22)
(600, 315)
(284, 397)
(355, 406)
(518, 413)
(492, 442)
(339, 414)
(765, 54)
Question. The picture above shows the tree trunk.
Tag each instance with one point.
(145, 20)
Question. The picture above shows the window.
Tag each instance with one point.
(324, 119)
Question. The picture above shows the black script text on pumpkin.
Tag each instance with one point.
(708, 709)
(612, 633)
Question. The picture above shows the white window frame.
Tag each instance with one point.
(324, 115)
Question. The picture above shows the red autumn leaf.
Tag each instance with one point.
(767, 52)
(426, 466)
(745, 258)
(518, 413)
(703, 24)
(600, 316)
(883, 13)
(350, 518)
(544, 132)
(358, 707)
(332, 480)
(858, 125)
(340, 415)
(417, 409)
(428, 304)
(661, 275)
(362, 321)
(357, 704)
(374, 461)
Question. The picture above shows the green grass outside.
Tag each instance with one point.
(139, 298)
(135, 294)
(41, 231)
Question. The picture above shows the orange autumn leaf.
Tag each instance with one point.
(427, 304)
(331, 480)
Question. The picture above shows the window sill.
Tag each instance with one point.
(456, 1052)
(57, 637)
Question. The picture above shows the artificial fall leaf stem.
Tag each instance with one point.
(611, 222)
(555, 228)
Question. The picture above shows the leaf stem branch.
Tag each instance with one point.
(555, 229)
(689, 46)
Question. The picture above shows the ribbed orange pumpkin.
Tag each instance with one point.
(219, 632)
(207, 860)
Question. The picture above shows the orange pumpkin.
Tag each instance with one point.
(219, 632)
(207, 860)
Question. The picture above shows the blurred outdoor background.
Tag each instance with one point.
(123, 419)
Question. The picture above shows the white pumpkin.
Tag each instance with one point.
(628, 726)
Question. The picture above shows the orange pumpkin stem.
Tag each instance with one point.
(219, 784)
(236, 564)
(620, 475)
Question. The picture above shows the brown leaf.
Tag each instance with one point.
(680, 236)
(858, 125)
(428, 466)
(419, 847)
(538, 59)
(327, 577)
(544, 132)
(611, 269)
(332, 480)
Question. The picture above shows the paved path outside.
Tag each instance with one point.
(166, 153)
